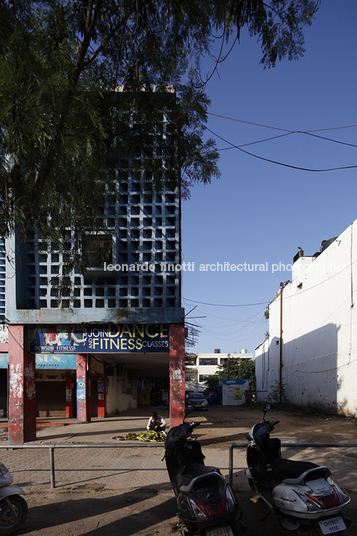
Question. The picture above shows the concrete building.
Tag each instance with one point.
(199, 366)
(312, 345)
(121, 325)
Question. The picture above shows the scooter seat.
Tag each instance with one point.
(193, 471)
(282, 469)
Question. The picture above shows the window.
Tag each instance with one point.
(208, 361)
(202, 377)
(97, 250)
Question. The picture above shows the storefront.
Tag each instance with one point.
(88, 370)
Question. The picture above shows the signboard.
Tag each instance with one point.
(48, 361)
(233, 382)
(237, 393)
(100, 338)
(56, 361)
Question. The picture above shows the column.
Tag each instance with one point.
(177, 373)
(83, 392)
(70, 402)
(22, 389)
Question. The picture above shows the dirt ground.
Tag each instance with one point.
(223, 425)
(151, 510)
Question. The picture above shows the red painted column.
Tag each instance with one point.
(177, 373)
(83, 395)
(22, 389)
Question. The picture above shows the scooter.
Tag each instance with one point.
(206, 504)
(304, 495)
(13, 508)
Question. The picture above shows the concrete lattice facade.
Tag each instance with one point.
(137, 289)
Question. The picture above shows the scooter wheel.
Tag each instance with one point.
(11, 519)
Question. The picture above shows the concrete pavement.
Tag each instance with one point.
(95, 455)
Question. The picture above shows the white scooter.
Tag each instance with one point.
(304, 495)
(13, 508)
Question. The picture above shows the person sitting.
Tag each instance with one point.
(156, 423)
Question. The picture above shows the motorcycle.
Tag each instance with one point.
(304, 495)
(13, 508)
(206, 504)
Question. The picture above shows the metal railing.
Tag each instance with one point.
(232, 446)
(83, 446)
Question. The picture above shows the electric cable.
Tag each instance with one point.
(279, 128)
(339, 168)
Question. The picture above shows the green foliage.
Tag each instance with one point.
(277, 393)
(351, 454)
(63, 118)
(212, 382)
(234, 369)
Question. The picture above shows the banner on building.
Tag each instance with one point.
(48, 361)
(94, 339)
(56, 361)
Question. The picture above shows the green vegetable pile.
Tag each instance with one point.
(152, 437)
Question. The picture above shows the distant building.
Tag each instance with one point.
(199, 366)
(312, 345)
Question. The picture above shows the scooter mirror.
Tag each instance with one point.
(266, 408)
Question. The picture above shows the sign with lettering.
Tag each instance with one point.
(100, 338)
(48, 361)
(56, 361)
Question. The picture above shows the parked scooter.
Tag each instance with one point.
(206, 504)
(304, 495)
(13, 508)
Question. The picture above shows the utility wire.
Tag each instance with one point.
(329, 139)
(254, 142)
(288, 134)
(228, 305)
(280, 163)
(278, 128)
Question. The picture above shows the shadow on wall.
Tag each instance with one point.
(309, 368)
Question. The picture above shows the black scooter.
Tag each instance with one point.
(206, 504)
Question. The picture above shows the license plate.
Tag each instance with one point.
(220, 531)
(330, 526)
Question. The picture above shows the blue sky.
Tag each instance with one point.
(259, 212)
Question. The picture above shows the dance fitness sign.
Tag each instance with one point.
(111, 338)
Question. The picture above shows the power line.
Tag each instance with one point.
(228, 305)
(286, 134)
(339, 168)
(278, 128)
